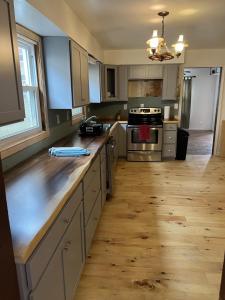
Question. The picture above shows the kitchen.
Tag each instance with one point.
(66, 238)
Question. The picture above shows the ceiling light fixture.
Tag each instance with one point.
(158, 50)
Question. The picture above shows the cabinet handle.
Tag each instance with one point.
(94, 191)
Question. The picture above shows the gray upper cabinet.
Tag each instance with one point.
(123, 83)
(145, 72)
(11, 103)
(111, 83)
(84, 77)
(170, 77)
(66, 66)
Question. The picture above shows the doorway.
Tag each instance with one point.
(199, 108)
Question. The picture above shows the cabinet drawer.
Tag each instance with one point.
(169, 150)
(90, 195)
(92, 223)
(170, 126)
(91, 173)
(41, 256)
(170, 137)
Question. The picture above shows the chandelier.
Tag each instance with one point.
(158, 50)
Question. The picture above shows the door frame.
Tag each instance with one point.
(218, 105)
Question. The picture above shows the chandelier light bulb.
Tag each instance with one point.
(154, 41)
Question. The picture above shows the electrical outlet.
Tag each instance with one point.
(57, 119)
(176, 106)
(125, 106)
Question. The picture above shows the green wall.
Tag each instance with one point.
(110, 110)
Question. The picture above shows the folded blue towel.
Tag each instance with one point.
(68, 151)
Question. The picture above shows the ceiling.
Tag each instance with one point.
(127, 24)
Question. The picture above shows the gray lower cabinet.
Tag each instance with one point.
(53, 271)
(51, 285)
(62, 274)
(93, 222)
(169, 141)
(11, 104)
(66, 65)
(73, 256)
(103, 175)
(122, 140)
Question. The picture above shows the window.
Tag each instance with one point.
(28, 70)
(35, 122)
(78, 114)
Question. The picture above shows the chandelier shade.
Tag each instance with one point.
(157, 48)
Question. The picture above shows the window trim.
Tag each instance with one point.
(79, 117)
(23, 140)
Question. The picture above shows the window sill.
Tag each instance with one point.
(77, 119)
(7, 149)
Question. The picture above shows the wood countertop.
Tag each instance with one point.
(38, 190)
(174, 121)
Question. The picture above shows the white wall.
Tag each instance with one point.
(133, 57)
(203, 99)
(211, 58)
(60, 13)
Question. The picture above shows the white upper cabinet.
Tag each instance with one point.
(145, 72)
(11, 103)
(170, 78)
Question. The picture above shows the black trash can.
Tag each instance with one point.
(182, 143)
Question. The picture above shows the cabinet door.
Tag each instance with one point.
(123, 83)
(170, 82)
(111, 85)
(73, 253)
(11, 104)
(51, 285)
(123, 140)
(84, 78)
(137, 72)
(76, 74)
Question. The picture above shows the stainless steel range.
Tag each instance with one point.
(144, 134)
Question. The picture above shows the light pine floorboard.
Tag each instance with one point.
(162, 236)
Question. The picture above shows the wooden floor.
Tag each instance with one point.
(200, 142)
(162, 237)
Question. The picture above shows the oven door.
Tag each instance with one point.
(137, 141)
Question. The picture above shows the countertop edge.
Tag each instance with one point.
(22, 256)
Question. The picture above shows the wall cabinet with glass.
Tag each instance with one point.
(66, 66)
(11, 104)
(111, 83)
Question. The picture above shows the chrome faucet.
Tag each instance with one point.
(92, 118)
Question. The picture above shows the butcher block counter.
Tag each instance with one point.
(38, 189)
